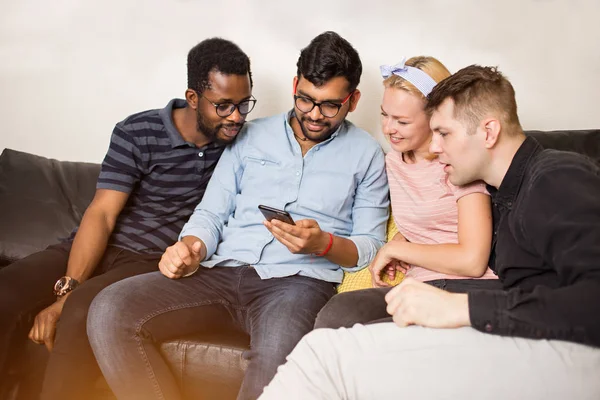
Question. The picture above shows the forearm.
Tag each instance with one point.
(448, 258)
(206, 227)
(568, 313)
(89, 245)
(343, 252)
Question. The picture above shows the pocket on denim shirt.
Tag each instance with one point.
(261, 177)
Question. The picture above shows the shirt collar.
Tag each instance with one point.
(292, 114)
(166, 115)
(511, 184)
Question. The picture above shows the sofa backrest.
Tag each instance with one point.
(41, 200)
(586, 142)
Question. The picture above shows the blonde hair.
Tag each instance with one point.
(432, 67)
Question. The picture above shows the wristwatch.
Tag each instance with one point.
(64, 285)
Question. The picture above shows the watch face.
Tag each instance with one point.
(61, 286)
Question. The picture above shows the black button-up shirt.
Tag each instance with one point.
(546, 249)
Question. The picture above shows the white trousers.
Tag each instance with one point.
(383, 361)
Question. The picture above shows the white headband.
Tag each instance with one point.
(417, 77)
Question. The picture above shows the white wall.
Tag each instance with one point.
(70, 69)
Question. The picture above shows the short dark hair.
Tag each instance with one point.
(476, 91)
(327, 56)
(215, 54)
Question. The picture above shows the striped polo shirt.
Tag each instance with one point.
(165, 176)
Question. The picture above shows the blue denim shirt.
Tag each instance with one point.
(340, 183)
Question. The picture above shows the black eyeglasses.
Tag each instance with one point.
(327, 108)
(227, 108)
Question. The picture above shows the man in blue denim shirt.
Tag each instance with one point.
(268, 278)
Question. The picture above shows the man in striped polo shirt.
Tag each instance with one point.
(155, 172)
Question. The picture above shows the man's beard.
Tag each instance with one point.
(313, 136)
(213, 133)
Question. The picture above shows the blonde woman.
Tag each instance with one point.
(445, 231)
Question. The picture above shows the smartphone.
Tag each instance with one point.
(274, 213)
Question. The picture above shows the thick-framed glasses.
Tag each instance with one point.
(226, 109)
(328, 109)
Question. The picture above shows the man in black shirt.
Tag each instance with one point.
(540, 337)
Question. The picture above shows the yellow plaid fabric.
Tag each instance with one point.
(362, 279)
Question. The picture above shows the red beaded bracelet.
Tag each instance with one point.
(328, 246)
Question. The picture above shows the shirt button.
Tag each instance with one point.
(297, 173)
(262, 163)
(488, 327)
(201, 154)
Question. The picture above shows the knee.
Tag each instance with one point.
(347, 309)
(107, 312)
(337, 312)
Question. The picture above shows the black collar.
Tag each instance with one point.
(511, 184)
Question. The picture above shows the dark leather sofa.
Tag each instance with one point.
(42, 200)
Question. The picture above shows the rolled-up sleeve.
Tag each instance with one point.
(370, 211)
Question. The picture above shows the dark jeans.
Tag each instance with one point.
(368, 305)
(26, 288)
(276, 313)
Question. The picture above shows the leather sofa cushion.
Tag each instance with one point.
(41, 201)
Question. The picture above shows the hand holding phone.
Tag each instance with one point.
(271, 213)
(303, 237)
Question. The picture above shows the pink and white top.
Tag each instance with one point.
(424, 206)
